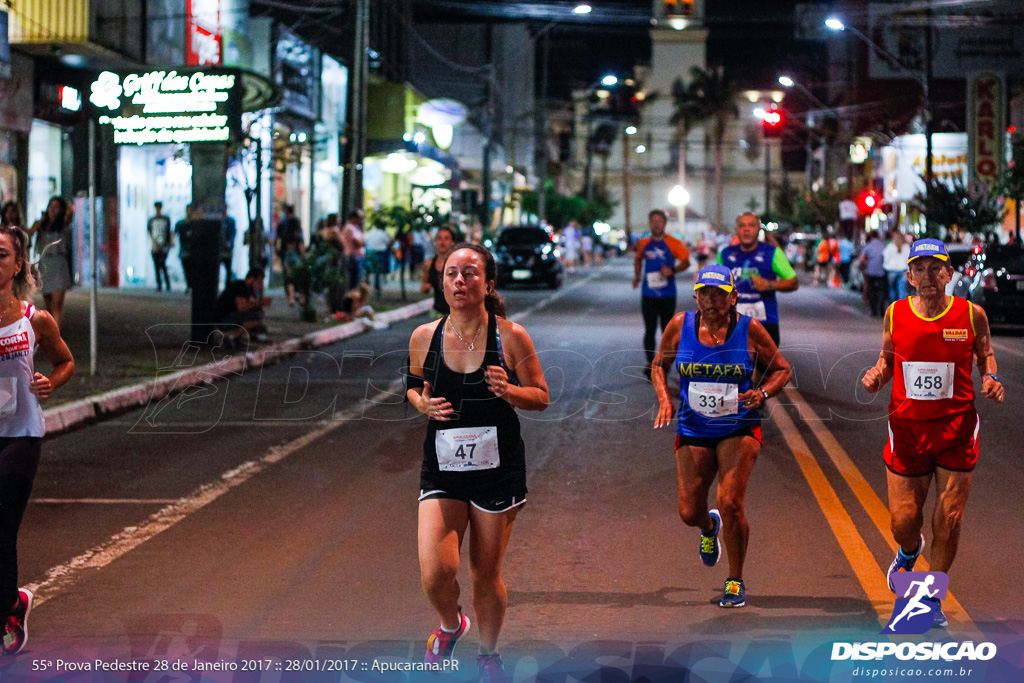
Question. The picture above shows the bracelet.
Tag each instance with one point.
(992, 375)
(763, 393)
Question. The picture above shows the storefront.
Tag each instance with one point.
(901, 169)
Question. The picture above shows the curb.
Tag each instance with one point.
(112, 402)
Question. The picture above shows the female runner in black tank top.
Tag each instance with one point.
(432, 277)
(468, 371)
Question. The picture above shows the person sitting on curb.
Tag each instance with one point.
(355, 304)
(239, 309)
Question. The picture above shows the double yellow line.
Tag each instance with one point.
(872, 578)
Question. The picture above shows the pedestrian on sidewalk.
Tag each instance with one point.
(290, 247)
(53, 247)
(354, 245)
(894, 261)
(876, 282)
(227, 248)
(10, 214)
(183, 229)
(378, 255)
(162, 240)
(478, 367)
(22, 329)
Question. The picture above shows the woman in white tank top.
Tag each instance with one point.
(23, 330)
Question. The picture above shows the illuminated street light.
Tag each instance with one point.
(630, 130)
(640, 149)
(678, 196)
(835, 24)
(786, 81)
(582, 9)
(609, 80)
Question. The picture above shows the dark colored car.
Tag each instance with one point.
(527, 255)
(996, 275)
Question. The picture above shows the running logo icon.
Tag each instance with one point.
(921, 591)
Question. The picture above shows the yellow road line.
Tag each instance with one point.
(870, 500)
(850, 540)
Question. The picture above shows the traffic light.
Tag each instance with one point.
(868, 202)
(773, 122)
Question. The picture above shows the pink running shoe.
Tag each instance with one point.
(441, 644)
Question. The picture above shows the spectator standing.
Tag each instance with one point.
(290, 247)
(183, 229)
(894, 260)
(571, 238)
(378, 255)
(876, 283)
(52, 232)
(161, 240)
(10, 215)
(354, 244)
(846, 249)
(227, 248)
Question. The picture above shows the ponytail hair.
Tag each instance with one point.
(493, 302)
(26, 281)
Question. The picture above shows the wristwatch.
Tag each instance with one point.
(765, 393)
(992, 375)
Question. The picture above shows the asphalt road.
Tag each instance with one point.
(269, 521)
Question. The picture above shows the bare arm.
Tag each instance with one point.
(532, 392)
(662, 363)
(776, 368)
(425, 285)
(879, 375)
(984, 357)
(637, 266)
(435, 407)
(56, 352)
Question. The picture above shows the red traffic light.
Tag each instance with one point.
(773, 122)
(868, 202)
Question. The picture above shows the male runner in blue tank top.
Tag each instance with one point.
(716, 350)
(760, 269)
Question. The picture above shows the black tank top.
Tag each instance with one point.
(475, 406)
(437, 284)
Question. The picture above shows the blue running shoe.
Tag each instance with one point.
(940, 618)
(710, 550)
(904, 562)
(735, 595)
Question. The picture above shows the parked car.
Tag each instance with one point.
(528, 255)
(996, 281)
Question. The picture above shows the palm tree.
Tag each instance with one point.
(686, 114)
(716, 95)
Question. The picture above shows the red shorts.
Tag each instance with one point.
(917, 447)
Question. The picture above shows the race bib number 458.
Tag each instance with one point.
(928, 381)
(467, 449)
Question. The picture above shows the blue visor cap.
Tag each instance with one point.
(928, 247)
(715, 276)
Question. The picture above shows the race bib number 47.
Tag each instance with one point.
(467, 449)
(928, 381)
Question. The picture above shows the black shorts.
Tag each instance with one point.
(711, 442)
(495, 505)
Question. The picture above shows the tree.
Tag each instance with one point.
(687, 113)
(716, 99)
(953, 206)
(560, 209)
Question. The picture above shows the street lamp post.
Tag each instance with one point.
(836, 24)
(788, 82)
(679, 198)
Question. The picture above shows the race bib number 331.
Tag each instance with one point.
(714, 399)
(467, 449)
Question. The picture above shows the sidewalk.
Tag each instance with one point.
(142, 332)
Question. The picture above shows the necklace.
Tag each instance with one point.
(469, 345)
(12, 307)
(714, 337)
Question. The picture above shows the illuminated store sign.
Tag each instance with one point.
(161, 107)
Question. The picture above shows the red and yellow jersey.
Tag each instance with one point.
(932, 359)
